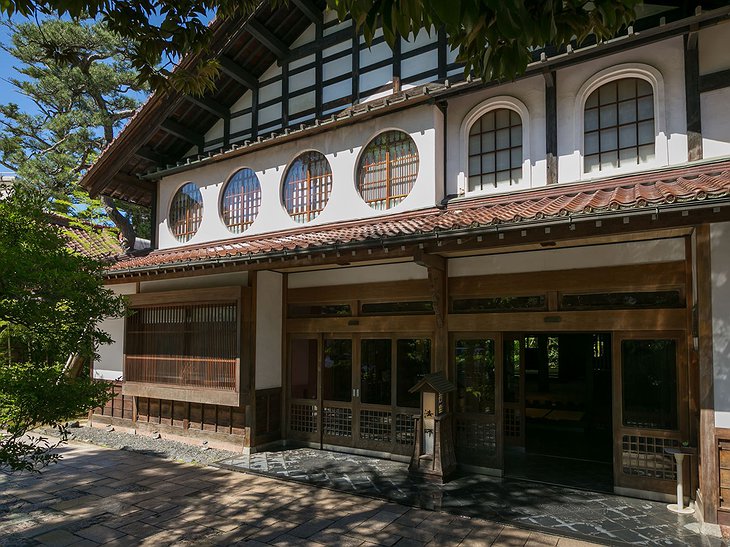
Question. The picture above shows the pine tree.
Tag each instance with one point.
(83, 87)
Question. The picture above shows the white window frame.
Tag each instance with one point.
(619, 72)
(495, 103)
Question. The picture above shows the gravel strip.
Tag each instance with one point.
(143, 444)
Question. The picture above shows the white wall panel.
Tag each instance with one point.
(640, 252)
(357, 274)
(715, 123)
(269, 325)
(109, 364)
(714, 43)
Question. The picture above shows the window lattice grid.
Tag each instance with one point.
(495, 150)
(476, 435)
(186, 212)
(241, 200)
(388, 169)
(303, 418)
(307, 186)
(512, 423)
(405, 429)
(337, 422)
(192, 345)
(618, 125)
(644, 457)
(375, 425)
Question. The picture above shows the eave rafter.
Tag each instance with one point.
(180, 131)
(212, 106)
(310, 11)
(230, 68)
(267, 38)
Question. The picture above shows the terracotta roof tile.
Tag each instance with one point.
(91, 240)
(630, 192)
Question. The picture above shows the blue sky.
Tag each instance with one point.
(7, 91)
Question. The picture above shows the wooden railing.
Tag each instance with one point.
(180, 371)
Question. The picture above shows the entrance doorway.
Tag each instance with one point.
(352, 390)
(559, 387)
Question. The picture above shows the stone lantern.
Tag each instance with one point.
(433, 454)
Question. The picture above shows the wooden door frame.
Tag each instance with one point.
(496, 336)
(520, 337)
(288, 384)
(353, 338)
(682, 431)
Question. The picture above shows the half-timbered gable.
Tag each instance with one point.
(334, 220)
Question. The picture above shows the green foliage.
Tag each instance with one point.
(79, 77)
(166, 31)
(51, 303)
(495, 38)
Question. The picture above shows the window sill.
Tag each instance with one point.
(184, 394)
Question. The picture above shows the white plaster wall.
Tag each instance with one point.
(530, 92)
(196, 282)
(615, 254)
(713, 48)
(715, 123)
(269, 325)
(720, 271)
(667, 57)
(341, 148)
(109, 364)
(357, 274)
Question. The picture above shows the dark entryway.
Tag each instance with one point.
(566, 401)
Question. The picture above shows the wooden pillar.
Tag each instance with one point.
(708, 453)
(551, 126)
(692, 96)
(438, 281)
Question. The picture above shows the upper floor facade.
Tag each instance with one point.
(339, 131)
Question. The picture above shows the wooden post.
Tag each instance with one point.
(708, 451)
(692, 96)
(438, 281)
(551, 126)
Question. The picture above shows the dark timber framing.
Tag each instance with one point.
(551, 126)
(268, 39)
(692, 96)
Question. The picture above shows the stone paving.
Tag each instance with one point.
(582, 514)
(99, 496)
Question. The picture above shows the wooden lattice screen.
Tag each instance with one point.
(241, 200)
(307, 186)
(388, 169)
(190, 345)
(186, 212)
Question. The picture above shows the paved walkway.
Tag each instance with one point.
(116, 497)
(581, 514)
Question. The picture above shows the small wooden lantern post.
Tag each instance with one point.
(433, 454)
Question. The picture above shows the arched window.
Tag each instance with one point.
(307, 186)
(618, 125)
(241, 200)
(186, 212)
(388, 169)
(495, 150)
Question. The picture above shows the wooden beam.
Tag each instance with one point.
(551, 126)
(709, 468)
(692, 96)
(149, 154)
(714, 80)
(431, 261)
(185, 133)
(272, 42)
(214, 107)
(232, 69)
(312, 12)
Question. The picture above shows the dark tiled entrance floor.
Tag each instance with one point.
(582, 514)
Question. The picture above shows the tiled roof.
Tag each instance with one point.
(92, 240)
(656, 189)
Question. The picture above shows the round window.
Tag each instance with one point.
(388, 169)
(241, 200)
(186, 212)
(307, 186)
